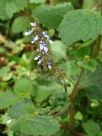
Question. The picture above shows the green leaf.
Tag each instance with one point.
(59, 50)
(46, 88)
(70, 68)
(7, 99)
(4, 71)
(21, 108)
(91, 128)
(94, 92)
(38, 125)
(37, 1)
(80, 25)
(23, 88)
(92, 83)
(90, 65)
(20, 24)
(51, 16)
(9, 7)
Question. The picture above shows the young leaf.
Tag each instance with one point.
(23, 88)
(51, 16)
(80, 25)
(20, 24)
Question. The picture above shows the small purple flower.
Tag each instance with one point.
(45, 35)
(33, 24)
(36, 38)
(41, 42)
(28, 32)
(43, 47)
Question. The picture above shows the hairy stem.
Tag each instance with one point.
(76, 86)
(71, 99)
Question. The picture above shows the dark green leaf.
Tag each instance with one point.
(51, 16)
(91, 128)
(80, 25)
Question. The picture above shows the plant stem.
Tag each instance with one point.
(97, 47)
(52, 2)
(65, 86)
(71, 99)
(76, 86)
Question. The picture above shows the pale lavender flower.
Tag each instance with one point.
(41, 47)
(28, 32)
(33, 24)
(45, 49)
(49, 65)
(36, 38)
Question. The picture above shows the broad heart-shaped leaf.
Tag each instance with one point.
(51, 16)
(91, 128)
(20, 24)
(7, 99)
(21, 108)
(36, 126)
(80, 25)
(23, 88)
(9, 7)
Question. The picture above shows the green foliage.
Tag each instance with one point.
(34, 100)
(21, 108)
(51, 16)
(59, 50)
(9, 7)
(23, 88)
(38, 125)
(91, 128)
(20, 24)
(90, 65)
(92, 82)
(37, 1)
(7, 99)
(80, 25)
